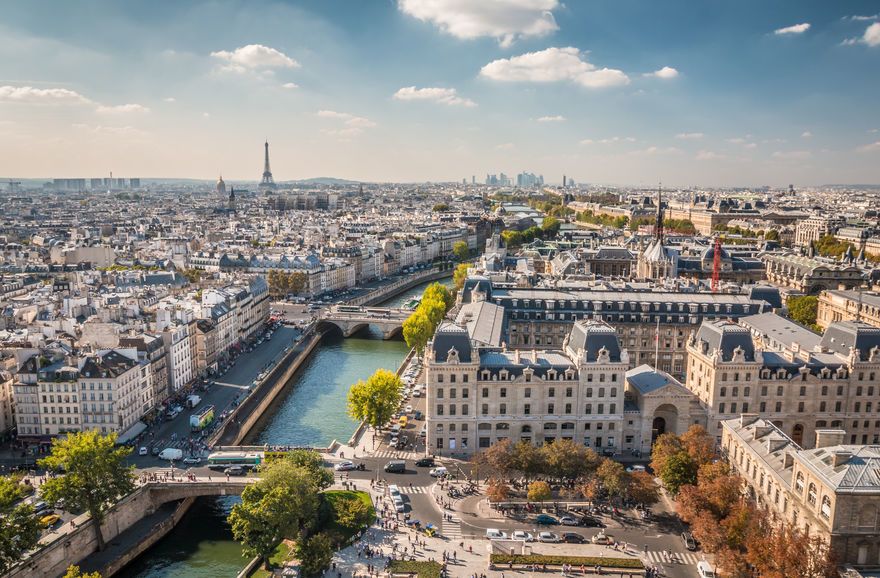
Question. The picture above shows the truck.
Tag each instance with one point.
(171, 454)
(193, 400)
(199, 421)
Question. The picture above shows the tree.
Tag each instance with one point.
(771, 235)
(698, 444)
(461, 251)
(278, 471)
(460, 274)
(417, 330)
(527, 459)
(591, 490)
(780, 550)
(497, 491)
(375, 400)
(440, 207)
(680, 469)
(95, 474)
(315, 553)
(75, 572)
(497, 458)
(11, 490)
(665, 446)
(439, 293)
(568, 459)
(282, 504)
(803, 309)
(539, 491)
(352, 513)
(19, 532)
(612, 476)
(641, 488)
(550, 227)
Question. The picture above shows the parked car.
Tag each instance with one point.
(399, 505)
(705, 570)
(689, 541)
(546, 520)
(635, 468)
(573, 538)
(192, 460)
(568, 521)
(234, 471)
(439, 472)
(344, 466)
(393, 490)
(522, 535)
(601, 538)
(49, 520)
(548, 537)
(495, 534)
(143, 451)
(409, 409)
(591, 522)
(425, 462)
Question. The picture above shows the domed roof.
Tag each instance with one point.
(708, 254)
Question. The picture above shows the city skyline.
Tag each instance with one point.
(413, 91)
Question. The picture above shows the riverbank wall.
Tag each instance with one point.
(383, 294)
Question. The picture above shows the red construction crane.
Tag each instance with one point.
(716, 265)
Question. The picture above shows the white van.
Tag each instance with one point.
(495, 534)
(170, 454)
(705, 570)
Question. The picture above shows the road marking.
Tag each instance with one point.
(451, 528)
(230, 385)
(662, 557)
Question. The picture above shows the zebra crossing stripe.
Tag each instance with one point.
(686, 558)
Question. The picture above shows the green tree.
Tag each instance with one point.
(314, 554)
(539, 491)
(95, 474)
(19, 532)
(460, 275)
(75, 572)
(375, 400)
(440, 207)
(497, 458)
(352, 513)
(803, 309)
(550, 227)
(278, 471)
(461, 251)
(569, 459)
(641, 488)
(678, 470)
(527, 458)
(417, 330)
(613, 477)
(439, 293)
(771, 235)
(11, 490)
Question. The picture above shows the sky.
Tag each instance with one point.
(629, 92)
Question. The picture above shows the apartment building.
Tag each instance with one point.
(111, 391)
(835, 305)
(799, 381)
(831, 491)
(815, 227)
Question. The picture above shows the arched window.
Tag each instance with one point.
(811, 494)
(826, 508)
(526, 429)
(799, 482)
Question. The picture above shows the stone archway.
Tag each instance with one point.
(665, 421)
(797, 434)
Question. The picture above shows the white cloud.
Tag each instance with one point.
(871, 37)
(666, 73)
(353, 125)
(122, 109)
(794, 29)
(504, 20)
(111, 130)
(709, 156)
(792, 155)
(806, 134)
(654, 150)
(206, 115)
(689, 135)
(290, 85)
(874, 130)
(858, 18)
(609, 140)
(506, 146)
(553, 65)
(736, 140)
(446, 96)
(871, 147)
(556, 118)
(254, 57)
(169, 99)
(750, 145)
(31, 95)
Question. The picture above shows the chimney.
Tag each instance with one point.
(747, 419)
(829, 437)
(761, 430)
(840, 458)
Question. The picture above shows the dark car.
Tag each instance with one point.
(235, 471)
(591, 522)
(689, 541)
(573, 538)
(546, 520)
(425, 463)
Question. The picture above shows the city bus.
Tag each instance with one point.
(223, 460)
(349, 308)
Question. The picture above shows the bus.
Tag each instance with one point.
(349, 308)
(223, 460)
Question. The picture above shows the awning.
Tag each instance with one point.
(132, 432)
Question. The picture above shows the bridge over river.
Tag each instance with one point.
(352, 318)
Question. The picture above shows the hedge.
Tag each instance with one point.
(421, 568)
(633, 563)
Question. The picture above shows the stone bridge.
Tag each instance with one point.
(350, 319)
(170, 491)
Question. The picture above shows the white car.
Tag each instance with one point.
(409, 409)
(191, 461)
(635, 468)
(344, 466)
(522, 535)
(495, 534)
(417, 393)
(393, 490)
(399, 506)
(393, 441)
(548, 537)
(568, 521)
(439, 472)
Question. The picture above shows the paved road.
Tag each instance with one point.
(222, 394)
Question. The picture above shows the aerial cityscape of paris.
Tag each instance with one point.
(439, 288)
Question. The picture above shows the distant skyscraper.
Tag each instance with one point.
(267, 183)
(563, 180)
(221, 186)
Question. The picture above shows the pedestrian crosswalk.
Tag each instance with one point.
(662, 557)
(451, 528)
(398, 455)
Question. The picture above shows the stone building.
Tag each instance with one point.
(808, 275)
(798, 380)
(479, 394)
(815, 227)
(845, 305)
(831, 491)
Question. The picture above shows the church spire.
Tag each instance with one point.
(658, 224)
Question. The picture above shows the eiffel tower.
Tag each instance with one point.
(267, 183)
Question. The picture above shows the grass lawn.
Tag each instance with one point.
(282, 553)
(421, 568)
(333, 496)
(632, 563)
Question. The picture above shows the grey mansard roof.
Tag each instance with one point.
(843, 335)
(448, 336)
(726, 336)
(592, 336)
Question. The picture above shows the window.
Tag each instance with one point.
(778, 406)
(502, 392)
(464, 409)
(811, 494)
(527, 392)
(568, 408)
(439, 409)
(550, 408)
(551, 392)
(722, 392)
(721, 407)
(568, 392)
(779, 391)
(452, 378)
(485, 409)
(826, 507)
(451, 410)
(464, 378)
(588, 409)
(439, 378)
(527, 409)
(799, 482)
(485, 392)
(502, 409)
(464, 393)
(763, 390)
(589, 392)
(762, 406)
(800, 407)
(452, 393)
(439, 393)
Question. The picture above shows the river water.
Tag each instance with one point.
(311, 412)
